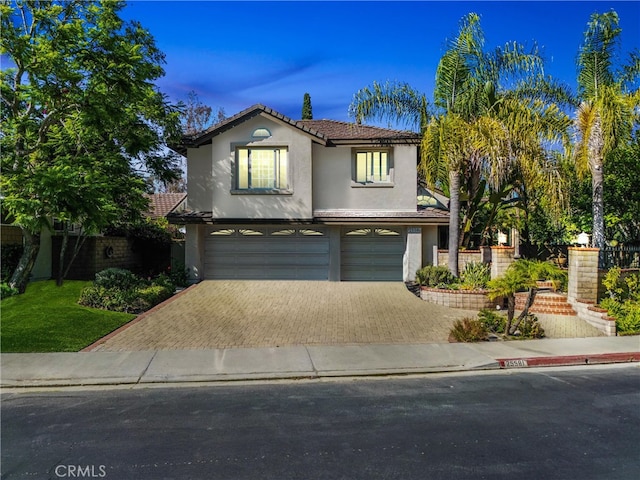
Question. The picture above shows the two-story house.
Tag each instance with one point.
(274, 198)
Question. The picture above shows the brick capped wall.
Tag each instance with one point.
(501, 258)
(583, 274)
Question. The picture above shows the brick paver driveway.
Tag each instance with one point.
(221, 314)
(226, 314)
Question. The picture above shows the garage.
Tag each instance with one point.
(270, 253)
(372, 254)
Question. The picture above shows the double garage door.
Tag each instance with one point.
(286, 253)
(291, 253)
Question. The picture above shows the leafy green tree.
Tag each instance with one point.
(607, 115)
(307, 111)
(82, 120)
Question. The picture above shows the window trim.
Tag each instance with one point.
(235, 188)
(389, 182)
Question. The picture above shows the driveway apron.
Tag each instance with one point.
(245, 313)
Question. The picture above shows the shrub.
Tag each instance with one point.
(493, 321)
(9, 257)
(469, 330)
(117, 278)
(475, 276)
(6, 291)
(627, 315)
(628, 322)
(529, 328)
(155, 294)
(121, 291)
(432, 276)
(180, 275)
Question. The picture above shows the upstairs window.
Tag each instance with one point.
(263, 168)
(372, 166)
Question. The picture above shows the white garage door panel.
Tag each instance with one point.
(260, 254)
(372, 254)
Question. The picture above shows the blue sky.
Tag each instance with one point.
(236, 54)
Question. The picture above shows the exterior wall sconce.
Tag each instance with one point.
(502, 238)
(583, 239)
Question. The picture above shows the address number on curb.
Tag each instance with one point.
(514, 363)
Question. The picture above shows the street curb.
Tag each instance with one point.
(568, 360)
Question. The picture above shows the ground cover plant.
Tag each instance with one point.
(47, 318)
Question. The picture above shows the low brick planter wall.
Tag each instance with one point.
(465, 299)
(596, 316)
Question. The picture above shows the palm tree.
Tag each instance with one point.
(606, 116)
(475, 129)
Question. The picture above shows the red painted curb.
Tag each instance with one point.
(137, 319)
(593, 359)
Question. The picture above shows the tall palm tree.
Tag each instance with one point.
(469, 135)
(607, 113)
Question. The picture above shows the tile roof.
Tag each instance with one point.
(322, 131)
(161, 204)
(336, 130)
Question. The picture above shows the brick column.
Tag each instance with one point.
(501, 258)
(583, 274)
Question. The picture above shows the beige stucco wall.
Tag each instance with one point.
(211, 177)
(333, 187)
(429, 241)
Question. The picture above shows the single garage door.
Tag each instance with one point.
(272, 253)
(371, 253)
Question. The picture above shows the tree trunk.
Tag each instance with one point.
(511, 311)
(597, 181)
(596, 146)
(63, 270)
(20, 277)
(530, 299)
(63, 251)
(454, 220)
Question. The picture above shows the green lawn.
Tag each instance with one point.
(48, 319)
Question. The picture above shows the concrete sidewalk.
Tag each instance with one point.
(183, 366)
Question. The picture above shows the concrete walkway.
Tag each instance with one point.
(259, 314)
(145, 368)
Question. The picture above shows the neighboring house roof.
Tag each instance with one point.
(325, 132)
(162, 204)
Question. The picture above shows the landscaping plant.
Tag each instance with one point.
(623, 300)
(523, 275)
(475, 276)
(434, 276)
(120, 290)
(491, 323)
(469, 330)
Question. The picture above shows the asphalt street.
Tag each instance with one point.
(580, 422)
